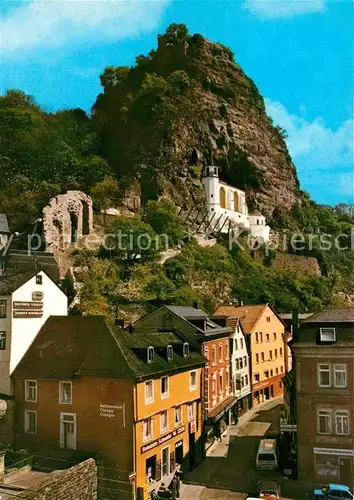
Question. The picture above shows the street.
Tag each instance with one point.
(230, 465)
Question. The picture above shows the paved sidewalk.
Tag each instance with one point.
(220, 449)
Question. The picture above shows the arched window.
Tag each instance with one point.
(150, 354)
(169, 352)
(222, 197)
(185, 349)
(236, 202)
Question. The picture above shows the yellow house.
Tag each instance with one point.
(265, 332)
(167, 407)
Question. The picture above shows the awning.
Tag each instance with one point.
(219, 410)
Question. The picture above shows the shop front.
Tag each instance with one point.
(219, 418)
(267, 389)
(333, 465)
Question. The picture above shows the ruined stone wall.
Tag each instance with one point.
(66, 219)
(7, 416)
(77, 483)
(308, 266)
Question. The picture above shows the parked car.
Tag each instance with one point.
(333, 492)
(269, 489)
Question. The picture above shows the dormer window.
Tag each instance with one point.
(169, 352)
(327, 334)
(185, 350)
(150, 354)
(39, 279)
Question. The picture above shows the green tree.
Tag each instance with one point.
(106, 193)
(162, 217)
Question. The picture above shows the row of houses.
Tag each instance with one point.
(143, 400)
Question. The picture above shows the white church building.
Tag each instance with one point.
(227, 204)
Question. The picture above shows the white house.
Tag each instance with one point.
(227, 204)
(240, 369)
(27, 299)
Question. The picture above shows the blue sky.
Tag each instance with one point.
(299, 53)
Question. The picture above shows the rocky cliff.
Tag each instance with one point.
(183, 106)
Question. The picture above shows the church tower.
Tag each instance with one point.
(211, 185)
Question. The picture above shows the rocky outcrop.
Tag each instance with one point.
(198, 108)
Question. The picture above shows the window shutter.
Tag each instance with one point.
(158, 470)
(172, 461)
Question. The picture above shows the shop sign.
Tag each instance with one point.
(192, 427)
(27, 305)
(132, 477)
(109, 411)
(162, 439)
(37, 296)
(288, 427)
(27, 314)
(332, 451)
(261, 385)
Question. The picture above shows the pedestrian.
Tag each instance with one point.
(178, 484)
(173, 487)
(218, 433)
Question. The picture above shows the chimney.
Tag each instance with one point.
(119, 322)
(196, 305)
(131, 328)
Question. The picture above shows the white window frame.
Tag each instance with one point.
(165, 395)
(162, 428)
(342, 415)
(61, 392)
(168, 462)
(178, 411)
(213, 355)
(319, 371)
(221, 357)
(327, 331)
(185, 350)
(27, 391)
(340, 368)
(227, 355)
(214, 387)
(193, 387)
(150, 354)
(169, 353)
(191, 414)
(62, 421)
(150, 436)
(324, 412)
(27, 412)
(149, 400)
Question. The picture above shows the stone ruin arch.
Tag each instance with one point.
(66, 219)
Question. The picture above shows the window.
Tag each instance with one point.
(227, 382)
(241, 343)
(147, 429)
(236, 347)
(275, 353)
(274, 336)
(214, 355)
(65, 392)
(266, 374)
(2, 308)
(268, 319)
(270, 355)
(2, 341)
(150, 355)
(236, 363)
(281, 352)
(169, 352)
(327, 334)
(342, 422)
(214, 386)
(324, 375)
(220, 352)
(271, 373)
(193, 380)
(149, 392)
(39, 279)
(240, 363)
(257, 358)
(220, 383)
(185, 350)
(246, 379)
(260, 337)
(267, 337)
(262, 356)
(324, 423)
(340, 376)
(276, 370)
(163, 421)
(206, 352)
(191, 412)
(30, 422)
(256, 337)
(281, 369)
(178, 415)
(31, 390)
(164, 387)
(256, 377)
(226, 351)
(245, 361)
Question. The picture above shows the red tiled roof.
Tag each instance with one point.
(248, 315)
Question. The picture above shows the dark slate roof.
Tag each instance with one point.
(21, 260)
(69, 346)
(188, 312)
(4, 226)
(11, 282)
(339, 315)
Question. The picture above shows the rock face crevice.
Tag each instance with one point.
(162, 137)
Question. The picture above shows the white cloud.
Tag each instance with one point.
(272, 9)
(313, 141)
(46, 24)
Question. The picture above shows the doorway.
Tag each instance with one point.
(85, 218)
(68, 431)
(151, 468)
(165, 461)
(179, 452)
(345, 467)
(191, 449)
(74, 226)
